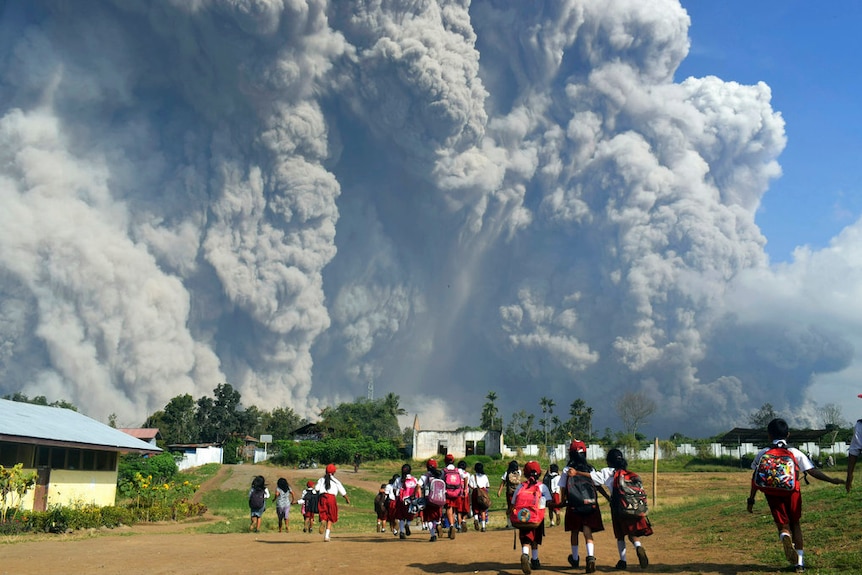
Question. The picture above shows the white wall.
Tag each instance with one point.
(201, 456)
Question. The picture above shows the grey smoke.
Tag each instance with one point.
(441, 197)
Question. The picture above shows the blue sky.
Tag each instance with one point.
(808, 54)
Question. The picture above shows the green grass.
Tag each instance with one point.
(831, 524)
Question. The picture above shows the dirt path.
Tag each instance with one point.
(169, 549)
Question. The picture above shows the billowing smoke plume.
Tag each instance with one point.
(444, 198)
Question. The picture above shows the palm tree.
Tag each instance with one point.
(390, 403)
(489, 413)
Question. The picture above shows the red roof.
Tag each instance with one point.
(142, 433)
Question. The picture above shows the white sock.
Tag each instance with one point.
(326, 535)
(575, 551)
(591, 549)
(621, 547)
(525, 549)
(801, 560)
(637, 543)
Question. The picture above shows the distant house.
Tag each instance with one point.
(74, 456)
(434, 443)
(197, 454)
(147, 434)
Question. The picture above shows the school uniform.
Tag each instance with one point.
(623, 526)
(575, 521)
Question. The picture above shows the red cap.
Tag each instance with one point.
(330, 469)
(432, 463)
(309, 484)
(578, 446)
(450, 458)
(532, 469)
(859, 396)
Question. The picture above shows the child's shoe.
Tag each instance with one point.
(322, 528)
(574, 562)
(621, 565)
(643, 560)
(534, 564)
(789, 550)
(407, 529)
(525, 564)
(591, 564)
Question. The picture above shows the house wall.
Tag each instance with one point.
(201, 456)
(431, 443)
(68, 488)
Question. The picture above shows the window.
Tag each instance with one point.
(480, 447)
(470, 449)
(12, 454)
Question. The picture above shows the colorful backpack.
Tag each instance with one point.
(513, 480)
(629, 498)
(454, 482)
(777, 472)
(437, 492)
(526, 513)
(408, 488)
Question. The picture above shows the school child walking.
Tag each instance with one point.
(391, 505)
(480, 500)
(582, 509)
(381, 508)
(454, 487)
(434, 503)
(777, 472)
(552, 480)
(462, 510)
(532, 496)
(406, 489)
(257, 496)
(284, 498)
(511, 479)
(329, 488)
(625, 526)
(853, 453)
(308, 507)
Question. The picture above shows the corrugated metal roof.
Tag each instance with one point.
(141, 432)
(29, 421)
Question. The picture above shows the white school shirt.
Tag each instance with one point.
(555, 485)
(856, 443)
(479, 481)
(390, 491)
(335, 486)
(604, 476)
(546, 494)
(802, 460)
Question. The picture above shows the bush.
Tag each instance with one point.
(334, 450)
(161, 467)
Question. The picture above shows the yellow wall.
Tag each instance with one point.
(77, 487)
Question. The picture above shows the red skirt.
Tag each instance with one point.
(577, 521)
(432, 512)
(532, 536)
(327, 507)
(634, 527)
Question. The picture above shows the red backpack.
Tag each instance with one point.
(454, 482)
(628, 497)
(777, 472)
(526, 513)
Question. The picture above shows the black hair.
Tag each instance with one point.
(283, 484)
(479, 467)
(616, 460)
(555, 468)
(778, 429)
(513, 466)
(394, 477)
(258, 482)
(462, 464)
(405, 470)
(578, 460)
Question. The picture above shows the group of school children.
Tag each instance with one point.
(318, 498)
(439, 499)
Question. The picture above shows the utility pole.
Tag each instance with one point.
(370, 395)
